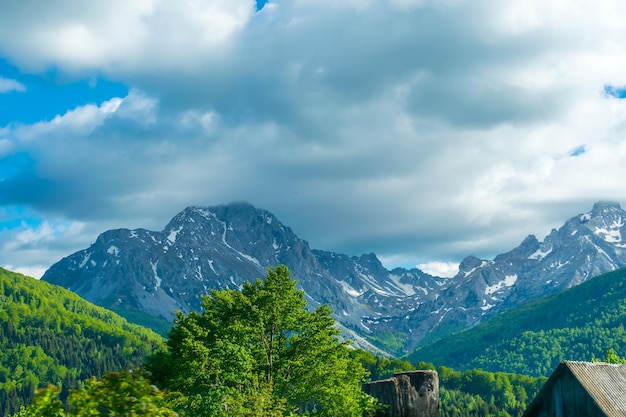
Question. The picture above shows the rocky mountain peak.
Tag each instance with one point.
(469, 263)
(203, 248)
(606, 221)
(605, 206)
(527, 248)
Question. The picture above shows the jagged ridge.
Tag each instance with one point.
(202, 248)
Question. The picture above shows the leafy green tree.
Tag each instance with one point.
(117, 394)
(380, 367)
(259, 351)
(611, 357)
(46, 404)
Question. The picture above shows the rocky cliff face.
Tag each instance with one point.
(407, 394)
(204, 248)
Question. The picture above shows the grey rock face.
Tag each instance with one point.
(407, 394)
(204, 248)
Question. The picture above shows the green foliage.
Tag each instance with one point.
(49, 335)
(392, 342)
(611, 357)
(46, 404)
(481, 393)
(260, 352)
(379, 367)
(473, 393)
(578, 324)
(157, 324)
(121, 394)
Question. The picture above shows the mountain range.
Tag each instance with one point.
(579, 324)
(147, 275)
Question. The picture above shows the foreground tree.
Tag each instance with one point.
(260, 352)
(117, 394)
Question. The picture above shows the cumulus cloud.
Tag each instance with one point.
(32, 246)
(422, 131)
(7, 85)
(440, 269)
(119, 36)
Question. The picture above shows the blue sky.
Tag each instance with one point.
(44, 96)
(422, 131)
(49, 93)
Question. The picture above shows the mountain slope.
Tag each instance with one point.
(587, 245)
(49, 335)
(140, 272)
(146, 275)
(580, 323)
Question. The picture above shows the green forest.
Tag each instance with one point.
(49, 335)
(462, 394)
(259, 351)
(581, 324)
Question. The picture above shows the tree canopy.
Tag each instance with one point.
(611, 357)
(49, 335)
(259, 350)
(117, 394)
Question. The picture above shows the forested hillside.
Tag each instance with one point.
(49, 335)
(471, 393)
(581, 323)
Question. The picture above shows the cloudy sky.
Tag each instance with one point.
(421, 130)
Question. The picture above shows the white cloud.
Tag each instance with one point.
(419, 130)
(61, 137)
(440, 269)
(7, 85)
(28, 237)
(6, 146)
(34, 271)
(31, 250)
(120, 35)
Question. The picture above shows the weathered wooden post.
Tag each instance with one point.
(407, 394)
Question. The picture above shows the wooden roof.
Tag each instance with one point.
(605, 383)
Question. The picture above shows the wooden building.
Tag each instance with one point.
(582, 389)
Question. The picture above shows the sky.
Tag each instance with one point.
(423, 131)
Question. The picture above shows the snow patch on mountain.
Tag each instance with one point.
(157, 279)
(85, 260)
(349, 290)
(226, 228)
(508, 281)
(482, 265)
(540, 254)
(403, 288)
(612, 235)
(373, 283)
(212, 267)
(487, 307)
(173, 233)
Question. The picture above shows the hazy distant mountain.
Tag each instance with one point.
(146, 275)
(579, 324)
(587, 245)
